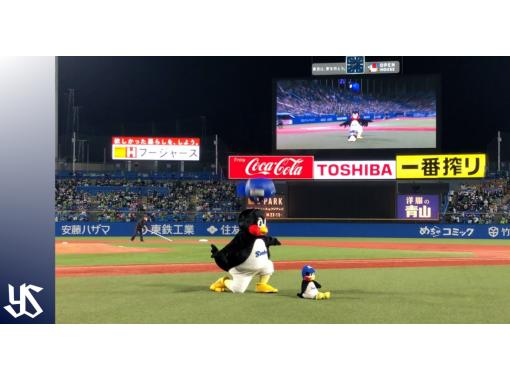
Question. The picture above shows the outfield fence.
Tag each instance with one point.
(295, 229)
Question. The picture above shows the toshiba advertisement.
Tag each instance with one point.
(354, 170)
(304, 167)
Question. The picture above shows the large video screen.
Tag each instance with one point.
(369, 112)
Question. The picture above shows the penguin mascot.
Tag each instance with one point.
(246, 256)
(310, 287)
(356, 124)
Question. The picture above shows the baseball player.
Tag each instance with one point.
(139, 228)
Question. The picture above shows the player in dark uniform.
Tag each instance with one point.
(139, 228)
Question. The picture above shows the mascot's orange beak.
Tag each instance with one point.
(254, 229)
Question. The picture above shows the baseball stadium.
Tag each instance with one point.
(163, 231)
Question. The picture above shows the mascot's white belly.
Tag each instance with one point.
(311, 291)
(257, 260)
(355, 126)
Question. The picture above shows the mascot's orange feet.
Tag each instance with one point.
(265, 288)
(219, 284)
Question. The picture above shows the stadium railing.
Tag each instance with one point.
(138, 175)
(125, 215)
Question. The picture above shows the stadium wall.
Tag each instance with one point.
(342, 199)
(296, 229)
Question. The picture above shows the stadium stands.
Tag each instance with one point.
(122, 199)
(98, 197)
(305, 98)
(483, 202)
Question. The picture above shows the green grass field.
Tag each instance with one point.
(469, 294)
(373, 139)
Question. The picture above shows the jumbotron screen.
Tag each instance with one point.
(374, 112)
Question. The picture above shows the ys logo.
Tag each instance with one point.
(25, 295)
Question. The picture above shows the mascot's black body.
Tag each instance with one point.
(356, 117)
(304, 287)
(239, 249)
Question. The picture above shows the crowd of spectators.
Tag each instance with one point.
(211, 201)
(312, 98)
(485, 202)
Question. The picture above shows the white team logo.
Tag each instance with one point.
(24, 296)
(493, 232)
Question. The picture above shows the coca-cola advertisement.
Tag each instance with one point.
(273, 167)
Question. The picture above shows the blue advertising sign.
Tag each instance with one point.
(418, 207)
(299, 229)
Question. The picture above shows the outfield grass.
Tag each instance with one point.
(468, 294)
(389, 295)
(181, 251)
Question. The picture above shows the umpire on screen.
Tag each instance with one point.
(139, 228)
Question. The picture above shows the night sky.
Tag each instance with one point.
(135, 95)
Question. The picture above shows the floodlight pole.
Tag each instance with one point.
(74, 150)
(216, 154)
(499, 151)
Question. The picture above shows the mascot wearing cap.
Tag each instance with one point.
(310, 287)
(246, 256)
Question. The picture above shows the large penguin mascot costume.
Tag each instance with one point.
(355, 124)
(246, 256)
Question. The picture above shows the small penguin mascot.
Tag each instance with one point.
(246, 256)
(310, 287)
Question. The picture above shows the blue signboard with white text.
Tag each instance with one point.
(418, 207)
(298, 229)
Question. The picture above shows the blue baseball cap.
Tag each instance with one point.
(307, 270)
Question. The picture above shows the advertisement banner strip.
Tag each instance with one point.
(354, 170)
(298, 229)
(441, 166)
(273, 167)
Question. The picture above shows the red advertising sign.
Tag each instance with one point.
(273, 167)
